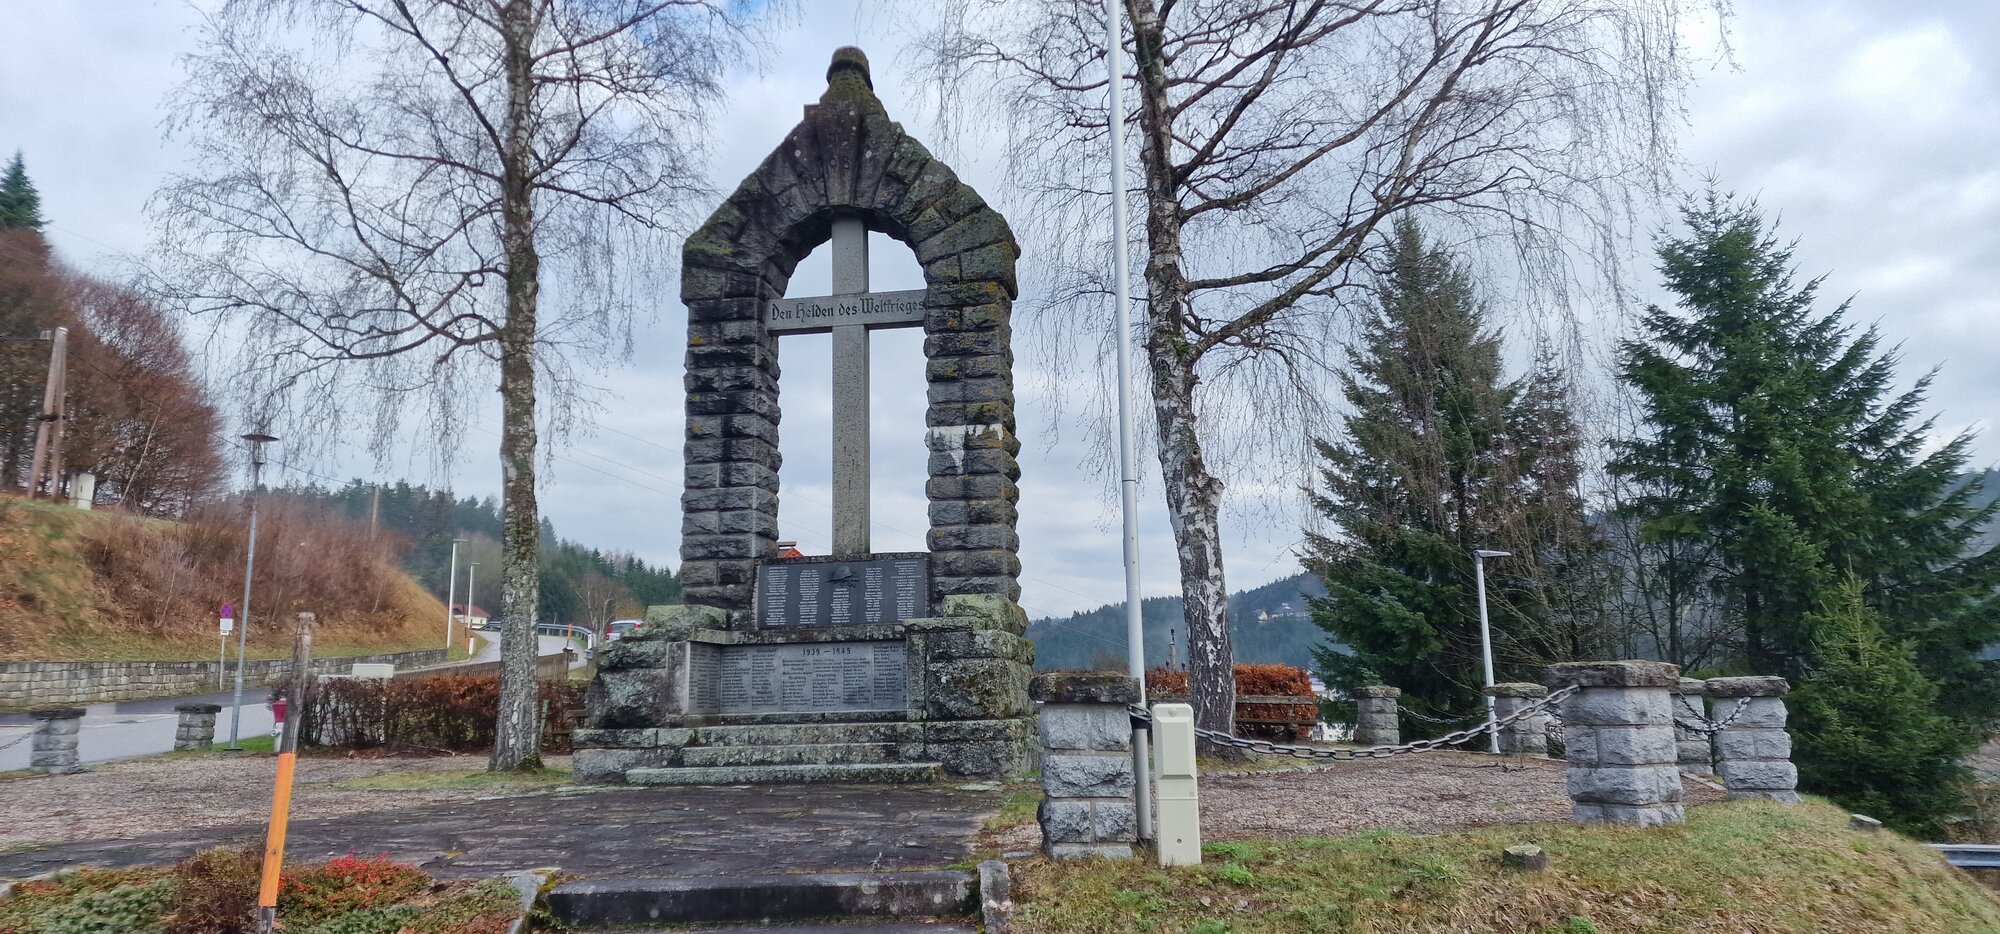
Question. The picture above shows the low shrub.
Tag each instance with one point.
(215, 892)
(1255, 681)
(314, 893)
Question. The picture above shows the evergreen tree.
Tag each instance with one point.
(20, 205)
(1442, 456)
(1866, 727)
(1778, 456)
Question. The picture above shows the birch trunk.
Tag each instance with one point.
(517, 738)
(1193, 494)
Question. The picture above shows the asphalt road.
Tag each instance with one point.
(128, 729)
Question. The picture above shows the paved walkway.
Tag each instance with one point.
(613, 833)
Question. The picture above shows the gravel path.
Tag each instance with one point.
(145, 796)
(1414, 794)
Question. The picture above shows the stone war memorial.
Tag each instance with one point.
(857, 666)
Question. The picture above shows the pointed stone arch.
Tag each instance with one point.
(848, 159)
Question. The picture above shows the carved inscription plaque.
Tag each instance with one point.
(798, 677)
(868, 309)
(836, 592)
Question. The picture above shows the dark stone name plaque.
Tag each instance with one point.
(883, 588)
(797, 677)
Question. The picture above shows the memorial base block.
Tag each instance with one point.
(698, 697)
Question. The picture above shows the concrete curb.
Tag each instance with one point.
(996, 897)
(529, 885)
(764, 898)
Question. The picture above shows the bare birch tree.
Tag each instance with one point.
(1275, 138)
(398, 199)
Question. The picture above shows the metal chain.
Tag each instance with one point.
(1430, 719)
(1702, 724)
(1266, 747)
(18, 740)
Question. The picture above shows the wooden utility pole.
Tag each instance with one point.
(374, 511)
(47, 462)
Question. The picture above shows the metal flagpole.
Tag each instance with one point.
(1486, 638)
(451, 594)
(1128, 477)
(257, 441)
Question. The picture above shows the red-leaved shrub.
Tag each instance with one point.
(1254, 681)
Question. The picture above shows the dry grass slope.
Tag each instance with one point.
(80, 585)
(1741, 868)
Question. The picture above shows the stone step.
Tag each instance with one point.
(858, 926)
(894, 773)
(807, 734)
(876, 897)
(817, 754)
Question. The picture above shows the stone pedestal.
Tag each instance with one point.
(1375, 716)
(53, 750)
(1753, 754)
(1528, 736)
(1694, 755)
(1088, 783)
(196, 729)
(687, 699)
(1619, 734)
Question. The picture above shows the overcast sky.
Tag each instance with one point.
(1872, 128)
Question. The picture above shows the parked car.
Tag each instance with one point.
(619, 628)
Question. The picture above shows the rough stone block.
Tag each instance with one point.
(1656, 784)
(1067, 821)
(1751, 686)
(1613, 674)
(1635, 816)
(638, 697)
(976, 689)
(1755, 775)
(1084, 687)
(989, 609)
(1760, 713)
(985, 759)
(1094, 727)
(1626, 745)
(1078, 776)
(1618, 708)
(1753, 744)
(639, 653)
(607, 766)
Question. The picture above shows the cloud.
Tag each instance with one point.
(1869, 127)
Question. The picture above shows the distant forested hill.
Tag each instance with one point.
(1283, 634)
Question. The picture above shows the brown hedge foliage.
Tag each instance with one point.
(452, 713)
(1253, 680)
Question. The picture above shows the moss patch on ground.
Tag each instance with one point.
(1739, 868)
(468, 780)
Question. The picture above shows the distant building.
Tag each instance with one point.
(470, 616)
(790, 550)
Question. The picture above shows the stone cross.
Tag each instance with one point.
(849, 313)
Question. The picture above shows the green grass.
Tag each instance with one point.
(467, 780)
(1023, 797)
(1732, 868)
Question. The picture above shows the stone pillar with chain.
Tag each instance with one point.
(1690, 708)
(1529, 735)
(1619, 740)
(1753, 752)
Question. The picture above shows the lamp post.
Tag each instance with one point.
(451, 593)
(1479, 557)
(257, 441)
(471, 574)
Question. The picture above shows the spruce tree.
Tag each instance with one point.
(1866, 727)
(1440, 456)
(1778, 451)
(20, 204)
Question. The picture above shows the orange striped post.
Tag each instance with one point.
(281, 794)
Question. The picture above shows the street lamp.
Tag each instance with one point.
(257, 441)
(471, 574)
(1479, 557)
(451, 592)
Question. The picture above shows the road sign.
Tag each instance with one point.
(228, 619)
